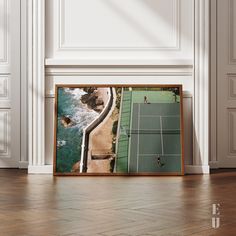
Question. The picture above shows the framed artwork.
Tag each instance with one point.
(118, 130)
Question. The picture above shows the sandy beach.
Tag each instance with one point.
(100, 140)
(101, 95)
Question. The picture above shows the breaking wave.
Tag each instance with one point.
(81, 115)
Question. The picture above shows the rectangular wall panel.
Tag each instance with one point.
(4, 30)
(232, 131)
(226, 84)
(4, 80)
(10, 117)
(4, 132)
(98, 29)
(232, 31)
(4, 87)
(111, 25)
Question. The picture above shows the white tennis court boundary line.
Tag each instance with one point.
(130, 126)
(154, 130)
(161, 133)
(138, 138)
(161, 155)
(171, 116)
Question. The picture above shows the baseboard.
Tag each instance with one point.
(214, 164)
(192, 169)
(46, 169)
(23, 164)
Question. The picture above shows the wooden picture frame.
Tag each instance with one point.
(129, 117)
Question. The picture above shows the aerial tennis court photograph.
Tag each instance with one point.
(123, 130)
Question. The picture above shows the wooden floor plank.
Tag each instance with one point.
(35, 205)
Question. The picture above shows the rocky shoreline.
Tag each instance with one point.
(93, 99)
(66, 121)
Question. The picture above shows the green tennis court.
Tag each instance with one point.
(149, 139)
(155, 128)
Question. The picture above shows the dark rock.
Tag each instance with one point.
(89, 89)
(66, 121)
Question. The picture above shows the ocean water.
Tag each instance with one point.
(69, 139)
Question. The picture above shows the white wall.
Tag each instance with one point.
(9, 83)
(101, 30)
(114, 41)
(223, 78)
(99, 41)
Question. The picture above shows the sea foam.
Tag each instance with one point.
(82, 114)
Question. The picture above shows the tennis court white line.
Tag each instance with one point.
(162, 144)
(138, 137)
(154, 130)
(128, 133)
(156, 154)
(159, 116)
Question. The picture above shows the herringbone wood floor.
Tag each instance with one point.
(40, 205)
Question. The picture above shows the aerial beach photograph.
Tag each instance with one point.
(118, 130)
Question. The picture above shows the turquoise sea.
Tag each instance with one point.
(69, 139)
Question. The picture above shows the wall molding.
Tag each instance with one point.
(231, 135)
(5, 58)
(195, 169)
(201, 84)
(213, 85)
(24, 85)
(5, 115)
(134, 62)
(214, 164)
(23, 164)
(167, 70)
(232, 58)
(62, 46)
(43, 169)
(36, 82)
(231, 79)
(10, 83)
(4, 87)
